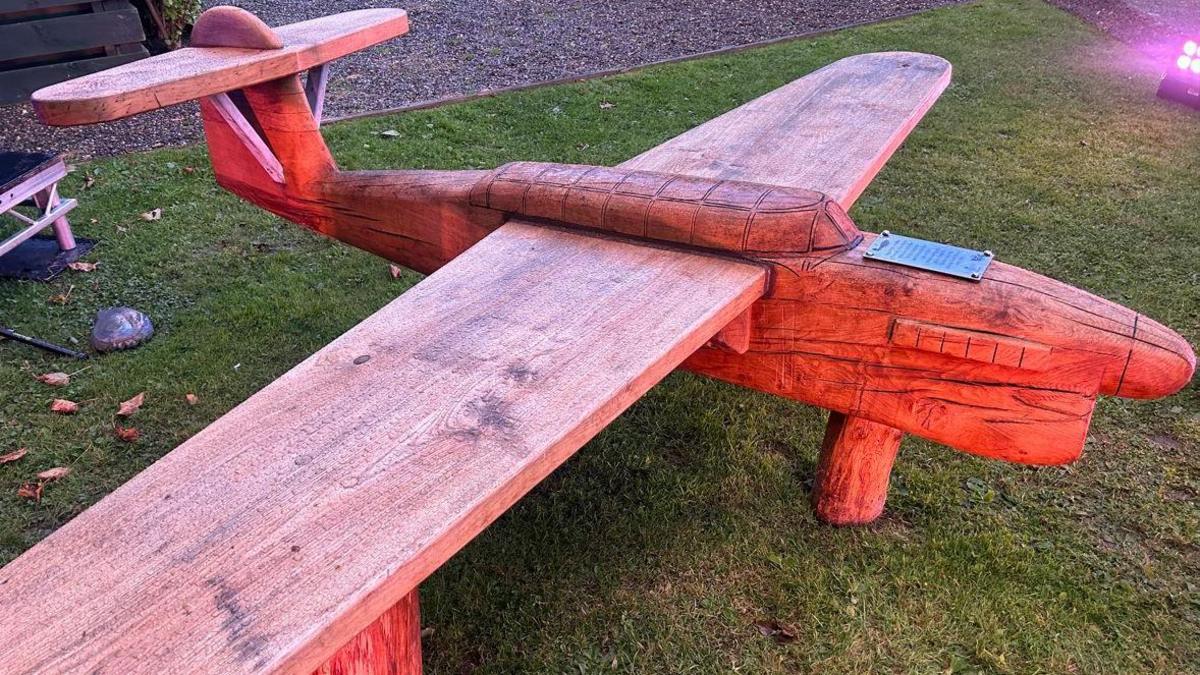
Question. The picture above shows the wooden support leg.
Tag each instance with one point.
(390, 646)
(48, 199)
(852, 474)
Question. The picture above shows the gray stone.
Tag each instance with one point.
(120, 328)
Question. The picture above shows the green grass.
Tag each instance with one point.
(662, 542)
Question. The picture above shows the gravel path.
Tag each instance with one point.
(1158, 28)
(461, 46)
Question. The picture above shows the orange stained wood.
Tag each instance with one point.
(192, 72)
(851, 484)
(972, 345)
(391, 645)
(225, 26)
(269, 540)
(840, 332)
(275, 535)
(827, 334)
(740, 217)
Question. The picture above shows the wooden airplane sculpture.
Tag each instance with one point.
(291, 534)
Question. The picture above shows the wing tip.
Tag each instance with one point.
(901, 59)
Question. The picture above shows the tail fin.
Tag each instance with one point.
(232, 49)
(261, 123)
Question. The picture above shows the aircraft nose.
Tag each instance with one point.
(1159, 363)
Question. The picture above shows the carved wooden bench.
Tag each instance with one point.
(291, 535)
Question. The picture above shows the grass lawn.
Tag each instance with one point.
(663, 542)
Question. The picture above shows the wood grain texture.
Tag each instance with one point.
(391, 645)
(226, 26)
(276, 534)
(834, 330)
(837, 330)
(851, 484)
(191, 73)
(393, 446)
(830, 131)
(78, 32)
(17, 85)
(733, 216)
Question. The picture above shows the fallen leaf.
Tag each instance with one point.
(30, 491)
(64, 407)
(390, 133)
(55, 473)
(189, 169)
(778, 632)
(395, 271)
(83, 266)
(55, 379)
(153, 214)
(605, 105)
(61, 298)
(192, 399)
(127, 434)
(13, 456)
(131, 406)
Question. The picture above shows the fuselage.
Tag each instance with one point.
(1006, 366)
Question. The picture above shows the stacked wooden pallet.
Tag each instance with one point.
(47, 41)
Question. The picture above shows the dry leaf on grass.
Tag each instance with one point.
(192, 399)
(605, 105)
(131, 406)
(61, 298)
(153, 214)
(30, 491)
(55, 379)
(127, 434)
(776, 631)
(83, 266)
(55, 473)
(64, 407)
(396, 271)
(13, 456)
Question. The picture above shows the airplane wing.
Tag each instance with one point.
(383, 454)
(269, 539)
(830, 131)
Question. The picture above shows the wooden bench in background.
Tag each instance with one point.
(48, 41)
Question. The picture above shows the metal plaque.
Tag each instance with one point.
(964, 263)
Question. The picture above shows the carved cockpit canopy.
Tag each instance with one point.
(726, 215)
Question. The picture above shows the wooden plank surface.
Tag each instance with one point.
(17, 85)
(830, 131)
(190, 73)
(273, 536)
(836, 330)
(78, 32)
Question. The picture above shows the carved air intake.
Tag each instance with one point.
(726, 215)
